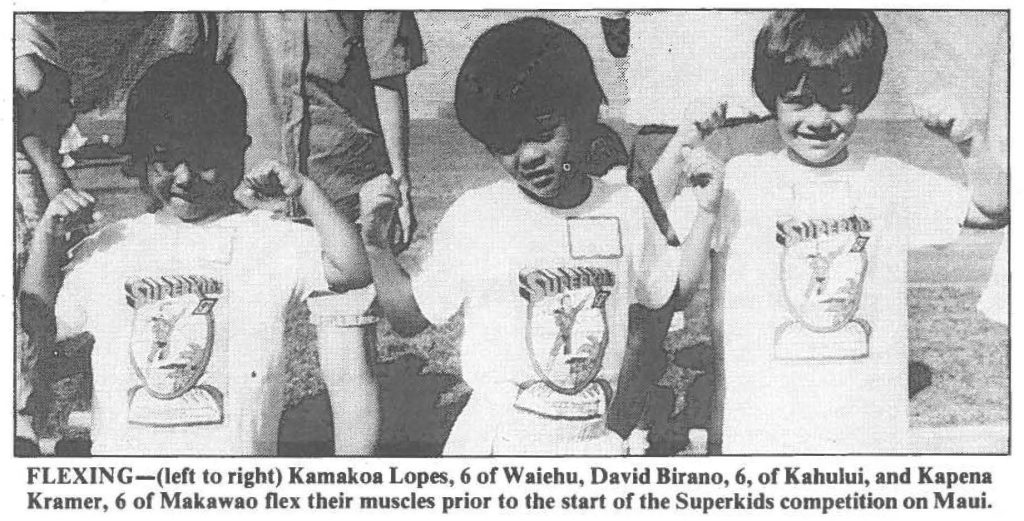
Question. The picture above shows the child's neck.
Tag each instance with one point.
(209, 218)
(835, 160)
(575, 191)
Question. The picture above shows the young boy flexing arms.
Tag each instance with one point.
(809, 278)
(544, 263)
(187, 304)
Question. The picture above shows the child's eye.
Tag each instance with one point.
(545, 136)
(797, 98)
(503, 149)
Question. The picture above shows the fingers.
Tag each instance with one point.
(271, 179)
(703, 168)
(944, 115)
(686, 137)
(69, 210)
(961, 130)
(71, 202)
(246, 194)
(379, 191)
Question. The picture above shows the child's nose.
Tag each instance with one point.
(817, 117)
(531, 156)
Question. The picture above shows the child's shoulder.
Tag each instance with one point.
(107, 238)
(485, 198)
(748, 170)
(754, 162)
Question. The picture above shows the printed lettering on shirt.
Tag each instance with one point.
(822, 267)
(172, 340)
(566, 335)
(594, 237)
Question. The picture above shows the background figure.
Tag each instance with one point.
(326, 90)
(42, 108)
(995, 299)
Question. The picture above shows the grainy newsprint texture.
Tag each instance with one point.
(510, 233)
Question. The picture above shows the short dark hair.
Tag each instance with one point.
(522, 69)
(840, 50)
(186, 96)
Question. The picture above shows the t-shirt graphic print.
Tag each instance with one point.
(822, 268)
(171, 345)
(566, 335)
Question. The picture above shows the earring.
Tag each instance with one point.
(567, 167)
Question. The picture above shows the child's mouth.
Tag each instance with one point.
(541, 179)
(821, 137)
(184, 196)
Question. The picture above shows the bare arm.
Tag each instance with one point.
(45, 109)
(392, 95)
(988, 182)
(987, 176)
(47, 161)
(693, 255)
(42, 277)
(394, 286)
(706, 173)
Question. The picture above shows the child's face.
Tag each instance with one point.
(816, 135)
(537, 163)
(194, 180)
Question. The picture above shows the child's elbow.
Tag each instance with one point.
(408, 328)
(28, 76)
(348, 282)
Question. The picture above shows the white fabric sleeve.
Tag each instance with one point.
(71, 308)
(308, 261)
(83, 274)
(440, 287)
(655, 264)
(682, 211)
(931, 208)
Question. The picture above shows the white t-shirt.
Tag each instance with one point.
(815, 312)
(188, 321)
(546, 294)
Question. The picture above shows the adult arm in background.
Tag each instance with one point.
(393, 49)
(392, 95)
(43, 110)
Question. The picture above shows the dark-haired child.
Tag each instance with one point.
(187, 304)
(809, 278)
(544, 263)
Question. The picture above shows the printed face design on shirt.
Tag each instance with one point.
(567, 327)
(173, 331)
(822, 269)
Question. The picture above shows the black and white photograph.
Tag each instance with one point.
(487, 233)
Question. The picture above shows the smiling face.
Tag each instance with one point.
(192, 180)
(538, 163)
(815, 135)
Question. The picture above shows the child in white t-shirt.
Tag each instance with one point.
(809, 279)
(545, 263)
(187, 304)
